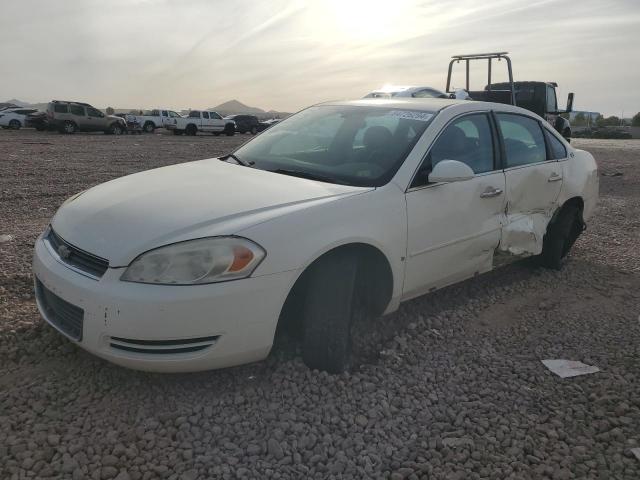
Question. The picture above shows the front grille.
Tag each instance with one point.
(66, 317)
(75, 257)
(162, 347)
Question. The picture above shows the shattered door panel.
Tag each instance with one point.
(532, 195)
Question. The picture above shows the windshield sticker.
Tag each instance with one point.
(411, 115)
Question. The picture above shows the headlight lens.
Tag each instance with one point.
(194, 262)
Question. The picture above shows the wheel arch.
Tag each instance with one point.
(375, 278)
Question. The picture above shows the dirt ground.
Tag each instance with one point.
(452, 387)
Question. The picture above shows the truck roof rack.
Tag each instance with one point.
(483, 56)
(71, 101)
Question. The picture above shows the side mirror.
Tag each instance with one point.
(570, 103)
(450, 171)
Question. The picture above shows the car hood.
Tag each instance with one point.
(120, 219)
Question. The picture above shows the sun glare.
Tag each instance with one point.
(367, 20)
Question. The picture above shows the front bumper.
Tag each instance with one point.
(151, 327)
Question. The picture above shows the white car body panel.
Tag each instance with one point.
(12, 114)
(208, 198)
(162, 118)
(431, 236)
(210, 125)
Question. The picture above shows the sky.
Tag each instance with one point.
(288, 54)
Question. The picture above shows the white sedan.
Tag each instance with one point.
(344, 209)
(14, 118)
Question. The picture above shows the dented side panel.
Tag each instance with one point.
(580, 173)
(532, 198)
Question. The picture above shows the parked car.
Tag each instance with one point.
(71, 117)
(38, 120)
(15, 118)
(341, 211)
(247, 123)
(152, 119)
(392, 91)
(201, 121)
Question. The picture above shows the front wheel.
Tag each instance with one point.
(15, 124)
(254, 130)
(561, 234)
(115, 129)
(328, 312)
(229, 130)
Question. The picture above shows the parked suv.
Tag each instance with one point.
(247, 123)
(70, 117)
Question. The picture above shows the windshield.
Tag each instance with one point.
(353, 145)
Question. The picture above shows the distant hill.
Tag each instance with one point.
(235, 107)
(20, 103)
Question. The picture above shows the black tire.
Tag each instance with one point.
(15, 124)
(149, 127)
(254, 130)
(561, 234)
(328, 312)
(68, 127)
(191, 130)
(115, 129)
(229, 130)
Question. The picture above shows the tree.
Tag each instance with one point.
(110, 111)
(611, 121)
(580, 120)
(635, 121)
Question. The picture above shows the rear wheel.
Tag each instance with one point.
(191, 130)
(15, 124)
(254, 130)
(328, 312)
(561, 234)
(149, 127)
(68, 127)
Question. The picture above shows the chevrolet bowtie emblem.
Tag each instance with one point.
(64, 251)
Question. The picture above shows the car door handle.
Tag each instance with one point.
(491, 192)
(554, 177)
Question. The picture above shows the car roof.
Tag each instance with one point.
(430, 104)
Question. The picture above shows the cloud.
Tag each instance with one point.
(286, 54)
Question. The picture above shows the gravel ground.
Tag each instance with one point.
(451, 386)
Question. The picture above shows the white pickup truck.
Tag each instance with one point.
(201, 121)
(157, 118)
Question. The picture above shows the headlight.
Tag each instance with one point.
(194, 262)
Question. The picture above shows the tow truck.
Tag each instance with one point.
(538, 97)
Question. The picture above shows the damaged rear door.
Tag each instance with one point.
(533, 184)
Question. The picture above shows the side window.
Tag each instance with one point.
(164, 113)
(552, 105)
(523, 140)
(468, 140)
(205, 114)
(77, 110)
(61, 108)
(194, 114)
(215, 116)
(173, 114)
(93, 112)
(557, 150)
(155, 113)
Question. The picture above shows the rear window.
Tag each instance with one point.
(557, 149)
(77, 110)
(60, 109)
(194, 114)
